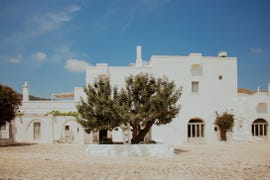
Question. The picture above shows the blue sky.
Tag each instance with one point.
(47, 42)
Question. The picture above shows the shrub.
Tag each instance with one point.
(224, 122)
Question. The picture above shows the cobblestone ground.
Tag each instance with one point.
(61, 161)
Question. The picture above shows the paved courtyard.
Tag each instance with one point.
(62, 161)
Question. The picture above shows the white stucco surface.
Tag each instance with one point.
(216, 91)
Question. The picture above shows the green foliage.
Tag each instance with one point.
(144, 102)
(224, 122)
(100, 111)
(59, 113)
(9, 104)
(152, 101)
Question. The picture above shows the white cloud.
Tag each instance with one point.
(39, 24)
(141, 8)
(15, 60)
(53, 20)
(256, 50)
(59, 17)
(62, 52)
(74, 8)
(40, 56)
(50, 22)
(75, 65)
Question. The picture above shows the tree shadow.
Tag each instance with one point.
(10, 144)
(178, 150)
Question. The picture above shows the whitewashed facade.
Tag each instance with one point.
(209, 86)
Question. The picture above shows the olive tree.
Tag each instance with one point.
(10, 102)
(224, 122)
(99, 110)
(152, 101)
(144, 101)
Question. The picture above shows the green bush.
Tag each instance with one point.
(224, 122)
(59, 113)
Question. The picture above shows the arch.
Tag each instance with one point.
(259, 128)
(195, 130)
(32, 121)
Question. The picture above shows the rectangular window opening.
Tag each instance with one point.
(220, 77)
(195, 87)
(67, 128)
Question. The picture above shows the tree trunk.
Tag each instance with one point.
(135, 133)
(139, 134)
(223, 135)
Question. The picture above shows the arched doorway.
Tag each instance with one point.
(195, 130)
(259, 128)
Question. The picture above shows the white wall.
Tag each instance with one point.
(52, 129)
(214, 94)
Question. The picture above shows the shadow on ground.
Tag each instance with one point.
(15, 144)
(178, 150)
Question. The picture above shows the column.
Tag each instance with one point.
(195, 130)
(191, 129)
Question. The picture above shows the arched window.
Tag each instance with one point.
(195, 129)
(259, 128)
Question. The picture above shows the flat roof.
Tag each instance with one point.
(62, 95)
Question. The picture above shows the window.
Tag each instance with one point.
(37, 130)
(196, 69)
(195, 87)
(3, 128)
(259, 128)
(195, 129)
(4, 131)
(261, 108)
(220, 77)
(67, 128)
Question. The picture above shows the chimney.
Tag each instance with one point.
(139, 62)
(222, 54)
(268, 89)
(25, 92)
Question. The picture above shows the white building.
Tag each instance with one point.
(209, 86)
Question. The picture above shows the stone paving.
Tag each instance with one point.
(61, 161)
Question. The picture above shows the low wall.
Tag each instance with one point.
(136, 150)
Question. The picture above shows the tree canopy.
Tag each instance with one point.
(152, 101)
(144, 101)
(9, 104)
(99, 110)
